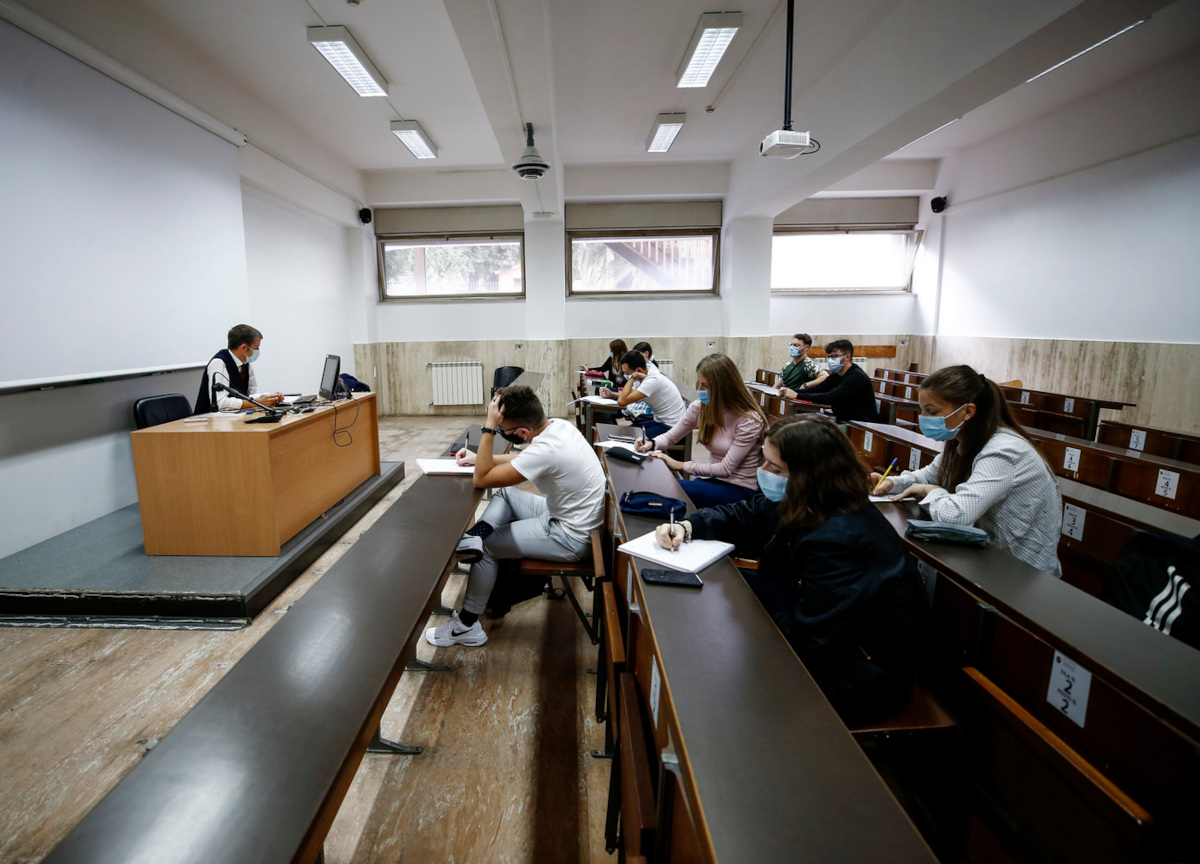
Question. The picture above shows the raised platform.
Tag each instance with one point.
(98, 575)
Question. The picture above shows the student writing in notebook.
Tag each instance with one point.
(731, 426)
(611, 367)
(989, 474)
(847, 390)
(651, 386)
(832, 571)
(519, 524)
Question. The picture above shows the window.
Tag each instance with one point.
(805, 261)
(454, 266)
(643, 262)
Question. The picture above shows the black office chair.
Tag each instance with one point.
(156, 410)
(504, 376)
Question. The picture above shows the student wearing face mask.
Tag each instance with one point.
(519, 524)
(801, 372)
(611, 367)
(832, 572)
(731, 426)
(232, 366)
(999, 480)
(848, 389)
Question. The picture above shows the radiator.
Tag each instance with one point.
(457, 383)
(666, 367)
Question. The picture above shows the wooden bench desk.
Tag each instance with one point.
(257, 770)
(1167, 443)
(768, 771)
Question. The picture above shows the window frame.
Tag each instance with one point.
(621, 233)
(918, 235)
(445, 237)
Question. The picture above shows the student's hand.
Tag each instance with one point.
(917, 491)
(644, 445)
(668, 540)
(606, 393)
(673, 464)
(787, 392)
(879, 486)
(639, 375)
(464, 457)
(582, 368)
(495, 412)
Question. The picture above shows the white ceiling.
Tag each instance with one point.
(869, 77)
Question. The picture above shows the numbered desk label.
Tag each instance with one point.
(1068, 406)
(629, 577)
(1024, 397)
(656, 685)
(878, 408)
(1071, 459)
(914, 459)
(1137, 440)
(1069, 687)
(1168, 482)
(868, 441)
(908, 393)
(1073, 521)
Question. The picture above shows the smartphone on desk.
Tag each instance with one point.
(670, 577)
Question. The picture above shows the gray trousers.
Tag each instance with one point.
(524, 529)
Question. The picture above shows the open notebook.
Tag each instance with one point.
(690, 557)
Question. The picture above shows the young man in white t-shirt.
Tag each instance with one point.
(658, 391)
(519, 524)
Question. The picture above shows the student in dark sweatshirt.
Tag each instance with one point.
(848, 389)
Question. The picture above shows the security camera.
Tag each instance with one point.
(531, 166)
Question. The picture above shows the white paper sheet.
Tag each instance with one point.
(689, 558)
(443, 466)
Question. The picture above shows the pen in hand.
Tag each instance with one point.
(885, 475)
(674, 548)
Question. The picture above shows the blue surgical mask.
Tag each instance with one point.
(835, 363)
(772, 485)
(253, 356)
(935, 427)
(703, 397)
(793, 350)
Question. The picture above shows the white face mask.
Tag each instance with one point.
(253, 356)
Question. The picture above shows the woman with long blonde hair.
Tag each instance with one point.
(731, 426)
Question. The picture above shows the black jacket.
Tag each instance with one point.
(851, 396)
(849, 599)
(612, 371)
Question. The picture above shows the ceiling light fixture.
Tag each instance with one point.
(348, 58)
(662, 136)
(713, 35)
(414, 138)
(1085, 50)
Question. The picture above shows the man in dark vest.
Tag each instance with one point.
(232, 366)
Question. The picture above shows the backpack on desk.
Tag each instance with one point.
(1154, 580)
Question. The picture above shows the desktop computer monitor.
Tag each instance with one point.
(329, 377)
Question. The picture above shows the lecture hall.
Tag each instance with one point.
(495, 431)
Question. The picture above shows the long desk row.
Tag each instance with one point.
(257, 770)
(751, 761)
(1167, 443)
(1097, 524)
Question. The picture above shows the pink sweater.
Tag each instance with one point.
(735, 448)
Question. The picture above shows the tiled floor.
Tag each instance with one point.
(506, 776)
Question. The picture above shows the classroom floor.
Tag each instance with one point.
(506, 775)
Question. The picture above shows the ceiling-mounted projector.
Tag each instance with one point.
(785, 144)
(531, 165)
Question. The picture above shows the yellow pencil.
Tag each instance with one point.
(885, 474)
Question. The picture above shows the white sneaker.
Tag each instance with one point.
(470, 548)
(454, 632)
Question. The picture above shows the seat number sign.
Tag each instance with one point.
(1069, 687)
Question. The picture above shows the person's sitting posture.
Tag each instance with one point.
(519, 524)
(611, 367)
(656, 389)
(848, 389)
(731, 426)
(646, 351)
(801, 372)
(1000, 481)
(832, 573)
(233, 367)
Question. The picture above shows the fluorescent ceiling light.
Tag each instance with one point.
(662, 136)
(348, 58)
(713, 35)
(1085, 50)
(414, 138)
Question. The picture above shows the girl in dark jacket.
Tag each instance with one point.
(611, 367)
(832, 571)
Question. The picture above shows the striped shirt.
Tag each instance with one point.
(1011, 494)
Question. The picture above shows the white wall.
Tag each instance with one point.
(301, 297)
(1082, 224)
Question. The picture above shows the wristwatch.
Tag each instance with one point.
(487, 430)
